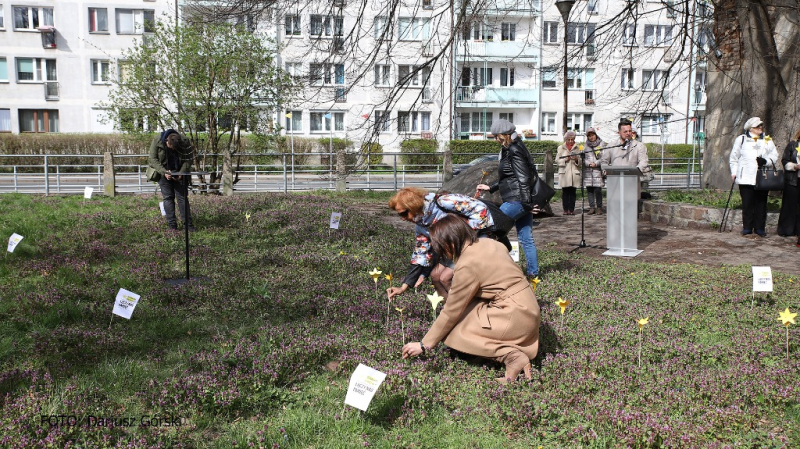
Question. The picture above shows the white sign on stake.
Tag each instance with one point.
(336, 217)
(514, 251)
(363, 384)
(125, 303)
(13, 241)
(762, 279)
(161, 206)
(87, 192)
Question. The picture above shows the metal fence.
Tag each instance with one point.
(70, 174)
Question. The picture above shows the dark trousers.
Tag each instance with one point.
(568, 196)
(754, 208)
(595, 196)
(789, 219)
(171, 190)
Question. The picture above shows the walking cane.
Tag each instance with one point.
(725, 213)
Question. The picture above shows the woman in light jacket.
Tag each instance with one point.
(751, 150)
(569, 172)
(592, 175)
(789, 220)
(492, 311)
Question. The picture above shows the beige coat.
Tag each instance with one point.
(569, 171)
(491, 309)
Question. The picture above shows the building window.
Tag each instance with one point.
(135, 21)
(100, 71)
(591, 7)
(413, 121)
(292, 25)
(629, 34)
(579, 122)
(326, 74)
(657, 35)
(134, 120)
(580, 33)
(476, 122)
(508, 31)
(478, 31)
(651, 123)
(414, 28)
(294, 121)
(383, 75)
(549, 75)
(654, 79)
(383, 32)
(321, 121)
(476, 76)
(98, 20)
(507, 116)
(5, 120)
(38, 121)
(295, 71)
(36, 70)
(427, 4)
(2, 18)
(3, 70)
(550, 32)
(327, 26)
(506, 76)
(382, 122)
(628, 79)
(412, 75)
(580, 78)
(32, 17)
(548, 122)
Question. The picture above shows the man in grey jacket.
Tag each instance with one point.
(171, 153)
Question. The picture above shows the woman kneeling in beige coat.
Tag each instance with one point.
(491, 311)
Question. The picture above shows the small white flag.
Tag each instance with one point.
(336, 217)
(762, 279)
(87, 192)
(363, 384)
(161, 206)
(13, 241)
(514, 251)
(125, 303)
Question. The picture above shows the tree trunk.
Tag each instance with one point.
(749, 78)
(227, 172)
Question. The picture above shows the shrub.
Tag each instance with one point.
(327, 145)
(466, 150)
(422, 152)
(373, 151)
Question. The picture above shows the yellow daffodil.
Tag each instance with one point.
(341, 253)
(642, 322)
(400, 309)
(247, 216)
(376, 273)
(435, 299)
(580, 147)
(563, 303)
(767, 139)
(787, 317)
(485, 173)
(535, 282)
(389, 277)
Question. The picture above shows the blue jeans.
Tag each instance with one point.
(523, 221)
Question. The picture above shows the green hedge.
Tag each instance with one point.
(431, 156)
(671, 150)
(373, 151)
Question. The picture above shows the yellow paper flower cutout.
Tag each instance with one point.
(341, 253)
(787, 317)
(435, 299)
(389, 277)
(563, 303)
(767, 139)
(376, 273)
(642, 322)
(247, 216)
(535, 282)
(755, 139)
(400, 309)
(580, 147)
(485, 173)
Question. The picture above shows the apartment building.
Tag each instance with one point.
(389, 74)
(57, 59)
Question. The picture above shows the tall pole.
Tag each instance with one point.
(564, 7)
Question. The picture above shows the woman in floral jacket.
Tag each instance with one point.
(425, 208)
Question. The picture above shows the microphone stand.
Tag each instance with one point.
(582, 154)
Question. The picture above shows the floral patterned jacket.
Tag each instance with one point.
(435, 208)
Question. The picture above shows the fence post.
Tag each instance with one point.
(109, 183)
(688, 176)
(341, 170)
(285, 179)
(46, 177)
(549, 176)
(447, 164)
(395, 171)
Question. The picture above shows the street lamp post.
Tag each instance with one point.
(564, 7)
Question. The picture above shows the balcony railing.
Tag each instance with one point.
(502, 95)
(51, 90)
(498, 49)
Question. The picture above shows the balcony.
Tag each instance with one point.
(497, 49)
(51, 90)
(496, 95)
(526, 8)
(588, 97)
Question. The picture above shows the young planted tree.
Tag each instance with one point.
(211, 81)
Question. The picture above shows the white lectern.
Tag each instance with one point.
(622, 210)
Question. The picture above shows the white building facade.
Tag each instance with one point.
(390, 74)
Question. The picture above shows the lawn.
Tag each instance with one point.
(259, 353)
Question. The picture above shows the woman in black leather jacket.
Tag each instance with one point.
(789, 219)
(515, 182)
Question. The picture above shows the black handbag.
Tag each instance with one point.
(502, 222)
(769, 178)
(541, 193)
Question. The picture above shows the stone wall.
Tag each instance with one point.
(688, 216)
